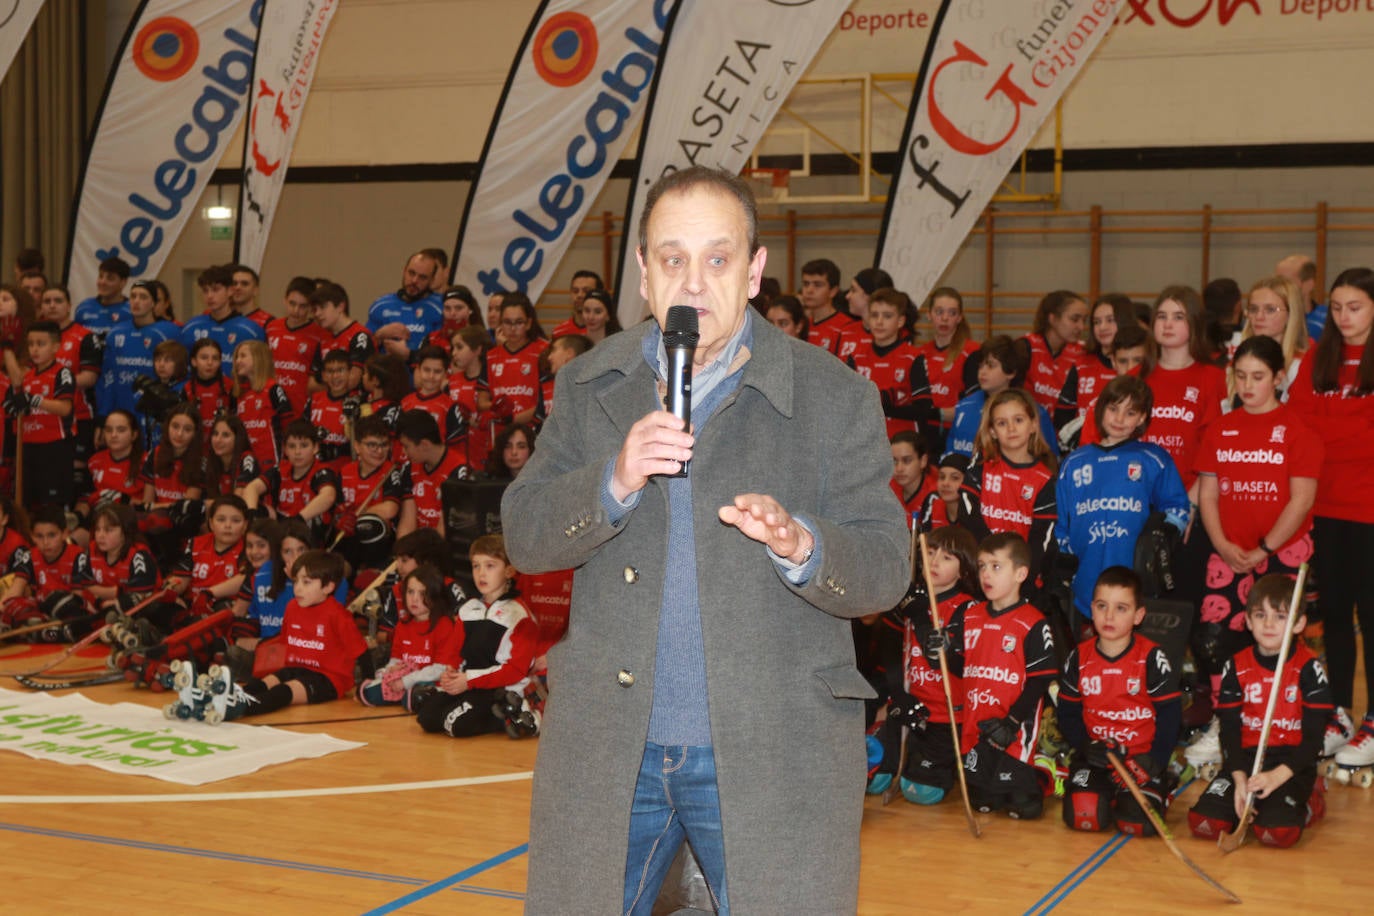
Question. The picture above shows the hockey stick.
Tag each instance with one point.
(1230, 842)
(1129, 782)
(92, 681)
(973, 827)
(356, 605)
(891, 791)
(77, 646)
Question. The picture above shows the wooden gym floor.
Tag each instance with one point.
(461, 848)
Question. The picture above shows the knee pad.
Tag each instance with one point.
(1087, 810)
(63, 606)
(1278, 837)
(921, 794)
(1025, 806)
(1135, 824)
(1209, 828)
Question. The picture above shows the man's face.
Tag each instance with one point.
(216, 296)
(244, 292)
(580, 287)
(34, 286)
(54, 306)
(298, 308)
(109, 286)
(817, 293)
(698, 255)
(418, 275)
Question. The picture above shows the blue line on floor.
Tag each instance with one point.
(1113, 847)
(1072, 879)
(247, 860)
(451, 880)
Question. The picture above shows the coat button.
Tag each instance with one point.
(624, 678)
(631, 575)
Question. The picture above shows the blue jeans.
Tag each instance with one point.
(675, 799)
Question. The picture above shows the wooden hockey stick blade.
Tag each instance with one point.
(92, 681)
(1230, 842)
(1164, 834)
(973, 827)
(357, 605)
(891, 791)
(87, 640)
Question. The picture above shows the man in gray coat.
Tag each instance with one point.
(706, 689)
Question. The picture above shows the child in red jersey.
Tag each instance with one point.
(1055, 349)
(14, 532)
(322, 645)
(117, 469)
(1334, 393)
(1085, 381)
(1004, 652)
(1011, 485)
(339, 332)
(460, 311)
(230, 465)
(429, 463)
(913, 479)
(945, 506)
(488, 657)
(921, 705)
(423, 629)
(1118, 693)
(174, 483)
(259, 401)
(467, 352)
(366, 510)
(431, 394)
(562, 351)
(888, 359)
(116, 570)
(171, 367)
(40, 585)
(207, 387)
(331, 411)
(302, 486)
(1287, 794)
(1188, 391)
(946, 356)
(211, 571)
(509, 386)
(294, 340)
(43, 402)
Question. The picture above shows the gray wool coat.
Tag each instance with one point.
(784, 695)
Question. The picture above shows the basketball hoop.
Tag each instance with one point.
(768, 184)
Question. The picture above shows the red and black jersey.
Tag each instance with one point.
(424, 485)
(166, 488)
(1002, 651)
(945, 375)
(355, 490)
(135, 570)
(54, 382)
(1048, 370)
(495, 644)
(416, 643)
(211, 398)
(1245, 685)
(1012, 496)
(45, 577)
(545, 405)
(353, 340)
(934, 512)
(245, 472)
(123, 476)
(1084, 383)
(920, 677)
(293, 356)
(205, 565)
(11, 542)
(463, 390)
(290, 493)
(264, 413)
(828, 333)
(901, 381)
(565, 327)
(852, 338)
(326, 413)
(80, 351)
(513, 375)
(259, 316)
(1119, 696)
(323, 638)
(441, 406)
(916, 503)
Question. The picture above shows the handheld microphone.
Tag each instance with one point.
(680, 336)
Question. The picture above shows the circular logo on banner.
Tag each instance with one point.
(565, 49)
(166, 48)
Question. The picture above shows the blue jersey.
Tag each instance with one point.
(968, 413)
(422, 317)
(128, 355)
(267, 611)
(99, 319)
(1105, 494)
(1316, 321)
(228, 333)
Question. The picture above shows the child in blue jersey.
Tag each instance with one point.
(1002, 364)
(1107, 490)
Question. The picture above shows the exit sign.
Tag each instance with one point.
(221, 233)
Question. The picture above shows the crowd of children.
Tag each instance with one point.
(1198, 449)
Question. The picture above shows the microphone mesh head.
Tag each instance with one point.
(680, 329)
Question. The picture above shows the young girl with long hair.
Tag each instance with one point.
(425, 626)
(259, 401)
(1188, 390)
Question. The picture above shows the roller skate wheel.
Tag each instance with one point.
(166, 679)
(1342, 776)
(203, 682)
(1328, 768)
(1208, 771)
(128, 639)
(181, 679)
(1365, 779)
(112, 617)
(215, 671)
(218, 686)
(131, 674)
(184, 711)
(170, 711)
(214, 717)
(112, 661)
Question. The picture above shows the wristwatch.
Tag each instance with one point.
(1265, 547)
